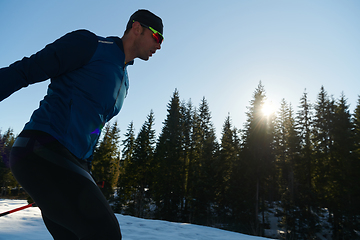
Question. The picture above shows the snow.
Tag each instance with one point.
(28, 225)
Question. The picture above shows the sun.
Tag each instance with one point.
(268, 108)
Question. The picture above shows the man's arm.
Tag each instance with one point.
(66, 54)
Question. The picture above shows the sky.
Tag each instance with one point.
(28, 225)
(219, 50)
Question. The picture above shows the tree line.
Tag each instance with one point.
(307, 161)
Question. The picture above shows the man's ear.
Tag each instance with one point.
(137, 28)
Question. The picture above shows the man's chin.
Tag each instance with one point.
(145, 58)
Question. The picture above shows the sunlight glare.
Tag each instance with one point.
(268, 108)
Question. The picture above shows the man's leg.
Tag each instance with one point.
(67, 198)
(58, 231)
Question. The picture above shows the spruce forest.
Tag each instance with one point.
(307, 161)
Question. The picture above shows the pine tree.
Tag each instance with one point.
(340, 168)
(226, 159)
(240, 198)
(322, 142)
(168, 181)
(230, 180)
(202, 169)
(106, 162)
(125, 182)
(128, 146)
(283, 160)
(287, 151)
(307, 221)
(258, 143)
(140, 167)
(187, 123)
(354, 176)
(7, 180)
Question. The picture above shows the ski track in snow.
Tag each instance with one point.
(28, 225)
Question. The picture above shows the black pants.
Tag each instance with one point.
(71, 204)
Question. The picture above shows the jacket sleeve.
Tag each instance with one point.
(66, 54)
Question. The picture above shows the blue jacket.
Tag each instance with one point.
(88, 85)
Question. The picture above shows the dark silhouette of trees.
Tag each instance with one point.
(307, 162)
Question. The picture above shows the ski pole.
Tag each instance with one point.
(16, 209)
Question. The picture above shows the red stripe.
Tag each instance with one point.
(16, 209)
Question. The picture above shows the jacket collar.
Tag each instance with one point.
(119, 42)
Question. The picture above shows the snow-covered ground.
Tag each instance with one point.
(28, 225)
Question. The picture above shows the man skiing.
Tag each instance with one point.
(51, 158)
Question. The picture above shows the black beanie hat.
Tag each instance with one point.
(148, 18)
